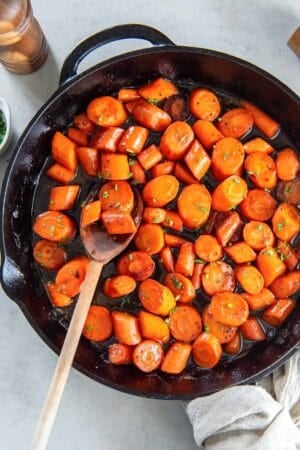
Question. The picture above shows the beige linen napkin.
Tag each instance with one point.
(261, 417)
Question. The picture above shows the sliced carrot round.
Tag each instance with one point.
(98, 324)
(208, 248)
(236, 122)
(194, 205)
(287, 164)
(153, 327)
(227, 158)
(229, 308)
(229, 193)
(185, 323)
(156, 298)
(258, 205)
(138, 265)
(118, 286)
(176, 358)
(258, 234)
(204, 104)
(218, 277)
(181, 287)
(176, 140)
(161, 190)
(286, 222)
(148, 355)
(149, 238)
(71, 275)
(261, 169)
(206, 351)
(106, 111)
(116, 195)
(249, 278)
(120, 353)
(50, 255)
(54, 226)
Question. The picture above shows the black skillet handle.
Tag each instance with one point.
(117, 33)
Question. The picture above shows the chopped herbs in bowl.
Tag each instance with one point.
(5, 131)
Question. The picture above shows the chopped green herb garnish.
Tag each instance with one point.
(167, 322)
(130, 257)
(173, 310)
(199, 261)
(280, 226)
(169, 221)
(225, 155)
(206, 328)
(134, 182)
(131, 162)
(259, 227)
(105, 194)
(106, 175)
(156, 219)
(88, 328)
(177, 283)
(2, 127)
(288, 189)
(236, 180)
(202, 208)
(153, 101)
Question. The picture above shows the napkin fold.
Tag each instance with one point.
(259, 417)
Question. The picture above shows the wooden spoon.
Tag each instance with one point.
(102, 248)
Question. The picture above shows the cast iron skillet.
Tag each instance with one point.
(19, 277)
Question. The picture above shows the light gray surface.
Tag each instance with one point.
(92, 416)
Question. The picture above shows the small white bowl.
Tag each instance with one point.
(7, 137)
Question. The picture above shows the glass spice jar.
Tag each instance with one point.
(23, 47)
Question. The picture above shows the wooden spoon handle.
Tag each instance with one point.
(66, 357)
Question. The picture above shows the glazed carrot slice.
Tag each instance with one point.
(98, 324)
(58, 298)
(128, 95)
(106, 111)
(207, 133)
(260, 300)
(49, 255)
(270, 265)
(176, 358)
(258, 205)
(224, 333)
(173, 220)
(234, 346)
(114, 167)
(229, 308)
(287, 254)
(107, 139)
(158, 89)
(116, 222)
(197, 160)
(138, 173)
(116, 195)
(149, 157)
(286, 222)
(261, 169)
(252, 330)
(148, 355)
(156, 298)
(133, 104)
(197, 273)
(185, 259)
(183, 174)
(208, 248)
(164, 168)
(60, 174)
(249, 278)
(153, 327)
(90, 213)
(229, 193)
(287, 164)
(126, 328)
(227, 158)
(63, 198)
(151, 116)
(257, 145)
(194, 205)
(167, 259)
(149, 238)
(258, 235)
(118, 286)
(236, 122)
(181, 287)
(154, 215)
(286, 285)
(78, 136)
(176, 140)
(185, 323)
(218, 277)
(64, 151)
(138, 265)
(71, 275)
(133, 139)
(278, 312)
(204, 104)
(161, 190)
(226, 229)
(119, 354)
(83, 123)
(206, 351)
(89, 160)
(263, 122)
(240, 253)
(174, 241)
(54, 226)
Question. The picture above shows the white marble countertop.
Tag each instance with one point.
(91, 415)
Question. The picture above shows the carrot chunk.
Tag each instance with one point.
(197, 160)
(64, 151)
(49, 255)
(204, 104)
(153, 327)
(120, 353)
(181, 287)
(118, 286)
(176, 140)
(156, 298)
(229, 308)
(106, 111)
(185, 323)
(98, 325)
(63, 198)
(176, 358)
(263, 122)
(71, 275)
(206, 351)
(126, 328)
(148, 355)
(54, 226)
